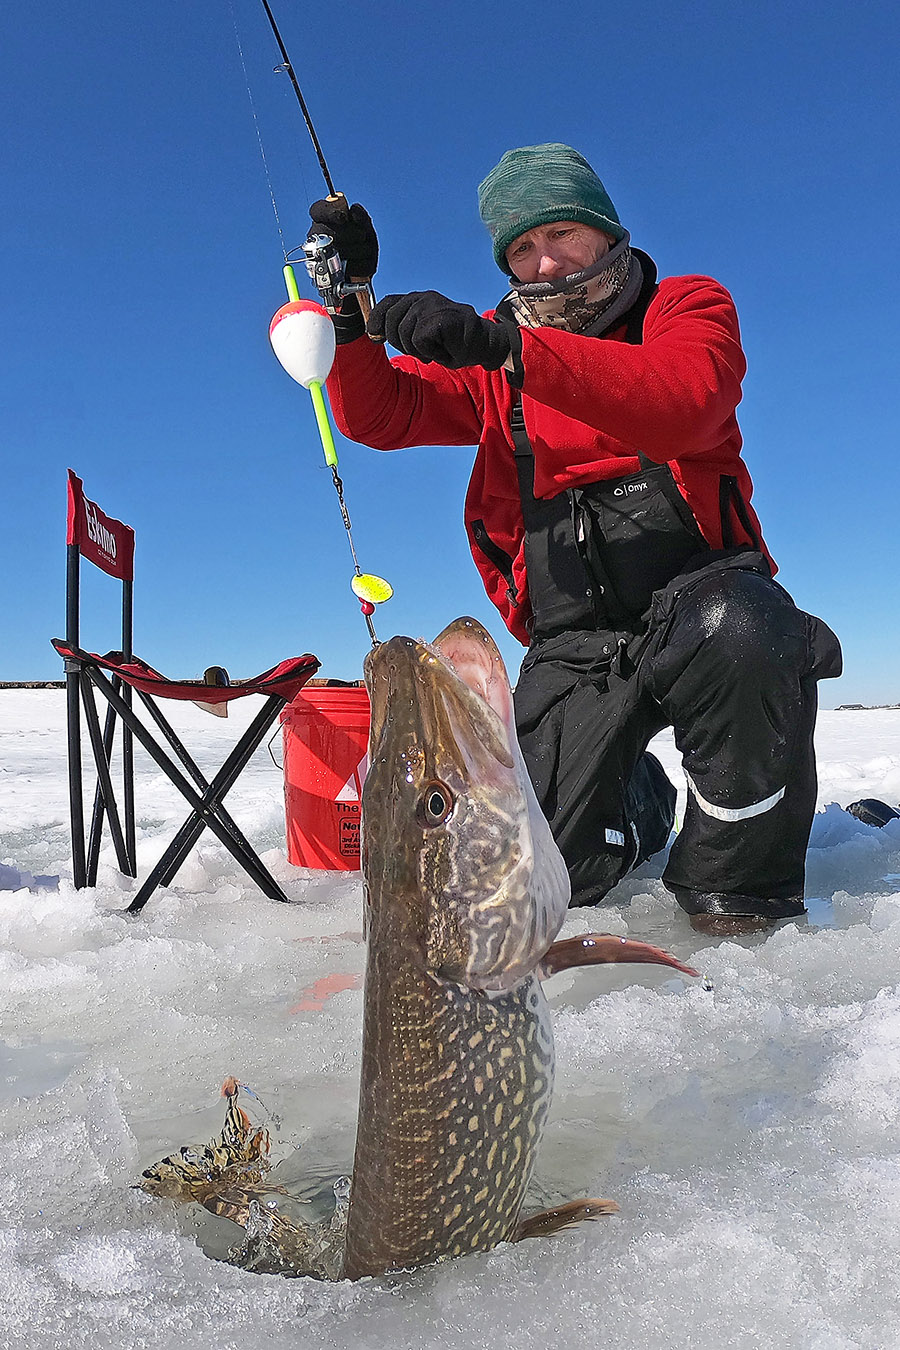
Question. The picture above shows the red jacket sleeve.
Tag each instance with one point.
(390, 404)
(669, 396)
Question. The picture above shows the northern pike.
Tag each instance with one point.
(465, 893)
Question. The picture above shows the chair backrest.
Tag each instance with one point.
(108, 544)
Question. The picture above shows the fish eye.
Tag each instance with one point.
(435, 804)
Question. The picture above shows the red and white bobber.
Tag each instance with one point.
(302, 337)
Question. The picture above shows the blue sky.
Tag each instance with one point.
(142, 264)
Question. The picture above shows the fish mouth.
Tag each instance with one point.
(447, 694)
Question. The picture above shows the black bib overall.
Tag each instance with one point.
(639, 624)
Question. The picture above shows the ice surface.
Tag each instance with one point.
(750, 1133)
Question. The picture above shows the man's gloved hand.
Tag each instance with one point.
(353, 234)
(430, 327)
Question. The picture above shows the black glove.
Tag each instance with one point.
(430, 327)
(353, 234)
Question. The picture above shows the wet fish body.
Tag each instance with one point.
(465, 891)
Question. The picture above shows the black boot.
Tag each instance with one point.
(872, 812)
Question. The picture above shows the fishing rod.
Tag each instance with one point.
(289, 69)
(305, 347)
(323, 263)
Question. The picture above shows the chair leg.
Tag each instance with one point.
(74, 676)
(190, 832)
(205, 809)
(93, 855)
(96, 831)
(104, 780)
(193, 769)
(128, 789)
(223, 782)
(178, 850)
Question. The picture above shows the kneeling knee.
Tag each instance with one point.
(739, 629)
(749, 619)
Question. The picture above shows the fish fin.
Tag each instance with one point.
(597, 949)
(168, 1179)
(230, 1201)
(239, 1140)
(554, 1220)
(314, 998)
(192, 1174)
(228, 1178)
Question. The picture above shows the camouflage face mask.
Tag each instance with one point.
(587, 302)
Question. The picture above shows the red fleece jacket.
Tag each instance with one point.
(589, 404)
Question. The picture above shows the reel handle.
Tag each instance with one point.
(365, 303)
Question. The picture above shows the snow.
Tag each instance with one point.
(749, 1133)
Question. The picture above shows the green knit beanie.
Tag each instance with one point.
(537, 185)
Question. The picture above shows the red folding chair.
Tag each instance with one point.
(109, 544)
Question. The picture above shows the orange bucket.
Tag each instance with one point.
(326, 735)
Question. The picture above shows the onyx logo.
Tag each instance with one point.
(98, 532)
(626, 489)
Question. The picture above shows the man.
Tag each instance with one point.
(609, 515)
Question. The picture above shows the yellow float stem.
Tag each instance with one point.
(290, 281)
(325, 432)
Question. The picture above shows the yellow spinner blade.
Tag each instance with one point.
(369, 587)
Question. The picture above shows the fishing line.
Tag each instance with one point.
(259, 139)
(369, 589)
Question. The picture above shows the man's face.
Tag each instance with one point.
(552, 252)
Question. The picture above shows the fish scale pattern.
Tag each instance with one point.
(447, 1143)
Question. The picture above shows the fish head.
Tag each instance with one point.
(456, 850)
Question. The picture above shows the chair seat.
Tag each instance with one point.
(286, 679)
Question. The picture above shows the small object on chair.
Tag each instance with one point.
(217, 677)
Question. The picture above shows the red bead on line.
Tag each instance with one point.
(367, 607)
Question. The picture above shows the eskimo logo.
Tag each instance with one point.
(98, 532)
(627, 489)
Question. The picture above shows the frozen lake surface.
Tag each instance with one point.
(750, 1134)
